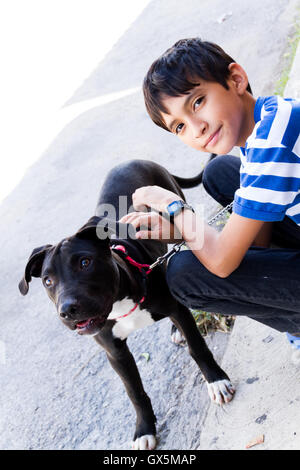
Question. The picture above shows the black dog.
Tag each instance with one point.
(97, 291)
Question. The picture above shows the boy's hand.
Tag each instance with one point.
(152, 227)
(153, 196)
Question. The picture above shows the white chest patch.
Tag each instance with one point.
(134, 321)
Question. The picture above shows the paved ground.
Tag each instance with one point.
(57, 390)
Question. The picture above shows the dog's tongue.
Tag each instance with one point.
(83, 323)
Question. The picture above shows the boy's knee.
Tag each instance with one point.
(176, 276)
(186, 278)
(180, 277)
(221, 178)
(174, 269)
(212, 172)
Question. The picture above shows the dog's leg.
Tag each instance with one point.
(124, 364)
(218, 383)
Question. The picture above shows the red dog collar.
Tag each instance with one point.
(141, 268)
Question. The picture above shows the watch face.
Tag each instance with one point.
(174, 206)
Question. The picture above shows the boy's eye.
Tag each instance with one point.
(198, 102)
(178, 128)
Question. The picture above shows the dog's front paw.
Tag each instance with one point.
(147, 442)
(220, 391)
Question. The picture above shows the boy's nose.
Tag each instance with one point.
(198, 128)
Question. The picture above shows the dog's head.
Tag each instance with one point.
(80, 276)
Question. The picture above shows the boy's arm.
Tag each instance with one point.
(263, 238)
(220, 252)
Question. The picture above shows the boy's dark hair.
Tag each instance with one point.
(179, 69)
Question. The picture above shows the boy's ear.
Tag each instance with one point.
(33, 267)
(238, 77)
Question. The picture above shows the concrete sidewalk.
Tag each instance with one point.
(257, 358)
(58, 391)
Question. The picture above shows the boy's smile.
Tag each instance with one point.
(210, 118)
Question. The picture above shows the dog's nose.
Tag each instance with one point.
(68, 308)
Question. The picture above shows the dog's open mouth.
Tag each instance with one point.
(90, 326)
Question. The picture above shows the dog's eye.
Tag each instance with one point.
(48, 282)
(84, 263)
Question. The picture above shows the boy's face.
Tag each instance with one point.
(210, 118)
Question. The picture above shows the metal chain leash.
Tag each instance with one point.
(178, 246)
(220, 213)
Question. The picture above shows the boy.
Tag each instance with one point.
(199, 93)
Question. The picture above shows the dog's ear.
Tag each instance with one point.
(91, 230)
(103, 228)
(33, 267)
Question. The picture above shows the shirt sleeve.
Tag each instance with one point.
(269, 183)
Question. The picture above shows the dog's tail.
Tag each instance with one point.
(186, 183)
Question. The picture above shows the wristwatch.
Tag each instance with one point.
(176, 207)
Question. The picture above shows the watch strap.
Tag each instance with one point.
(180, 206)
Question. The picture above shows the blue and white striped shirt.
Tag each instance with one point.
(270, 163)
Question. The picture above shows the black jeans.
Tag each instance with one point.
(266, 285)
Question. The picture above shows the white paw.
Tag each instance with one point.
(220, 391)
(178, 338)
(147, 442)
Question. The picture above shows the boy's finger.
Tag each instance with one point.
(140, 207)
(131, 216)
(140, 220)
(128, 217)
(143, 234)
